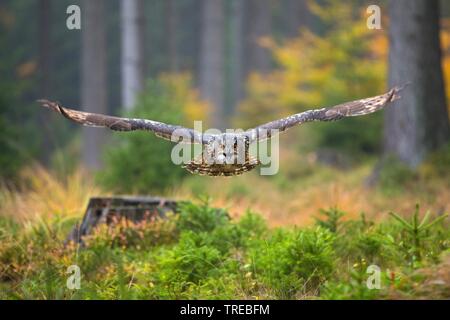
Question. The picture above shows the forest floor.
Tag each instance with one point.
(310, 232)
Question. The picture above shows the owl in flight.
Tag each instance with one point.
(226, 154)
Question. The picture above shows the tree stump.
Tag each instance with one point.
(108, 209)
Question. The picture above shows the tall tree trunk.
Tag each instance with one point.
(259, 24)
(417, 123)
(44, 34)
(235, 64)
(133, 69)
(44, 47)
(93, 77)
(296, 15)
(212, 59)
(171, 38)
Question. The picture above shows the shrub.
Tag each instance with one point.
(200, 218)
(312, 256)
(252, 225)
(353, 288)
(139, 161)
(415, 235)
(202, 254)
(185, 264)
(295, 262)
(331, 219)
(237, 235)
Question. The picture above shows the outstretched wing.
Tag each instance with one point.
(163, 130)
(348, 109)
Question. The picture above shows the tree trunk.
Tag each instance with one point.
(44, 47)
(212, 59)
(93, 77)
(296, 15)
(132, 19)
(418, 122)
(44, 34)
(258, 18)
(171, 38)
(235, 64)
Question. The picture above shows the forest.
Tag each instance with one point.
(356, 208)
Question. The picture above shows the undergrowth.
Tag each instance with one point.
(201, 253)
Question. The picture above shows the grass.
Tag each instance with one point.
(303, 187)
(43, 195)
(221, 249)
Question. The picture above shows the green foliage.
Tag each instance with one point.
(311, 256)
(252, 225)
(200, 218)
(17, 143)
(374, 244)
(200, 253)
(7, 166)
(354, 287)
(331, 219)
(139, 161)
(189, 261)
(415, 233)
(295, 262)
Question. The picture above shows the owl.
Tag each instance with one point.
(226, 154)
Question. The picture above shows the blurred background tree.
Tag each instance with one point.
(94, 96)
(133, 50)
(418, 123)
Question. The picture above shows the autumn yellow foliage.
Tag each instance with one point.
(347, 62)
(193, 107)
(445, 45)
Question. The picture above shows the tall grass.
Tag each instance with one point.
(293, 196)
(42, 194)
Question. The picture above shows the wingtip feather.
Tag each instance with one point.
(396, 91)
(48, 104)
